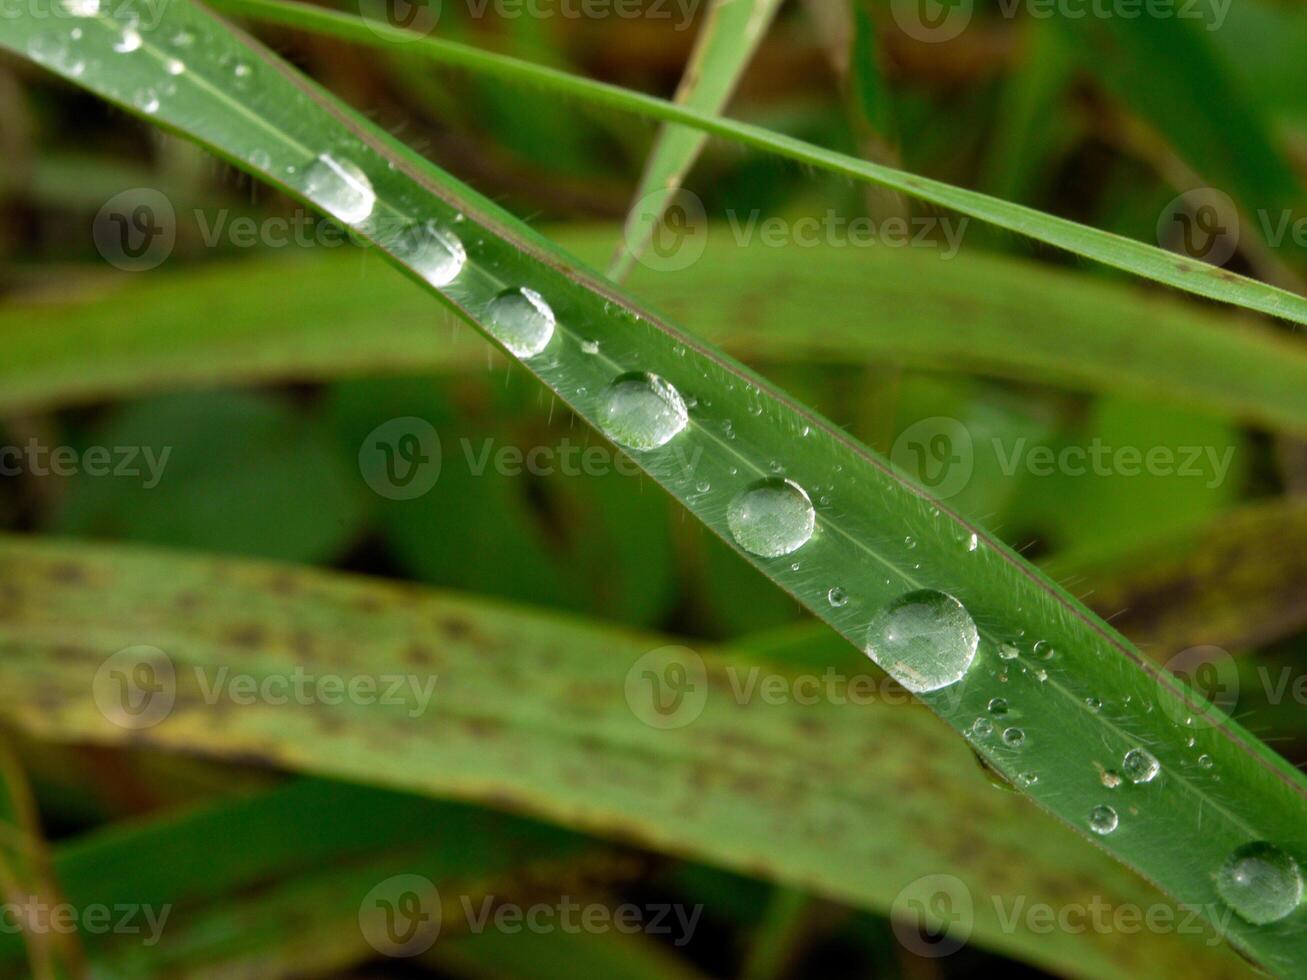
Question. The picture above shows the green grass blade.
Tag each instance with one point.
(989, 315)
(730, 34)
(853, 541)
(1112, 250)
(849, 799)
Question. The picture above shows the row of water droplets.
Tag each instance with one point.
(925, 639)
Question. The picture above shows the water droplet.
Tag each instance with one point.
(642, 411)
(435, 254)
(925, 640)
(340, 188)
(1014, 737)
(1043, 650)
(1102, 819)
(174, 66)
(1206, 761)
(147, 100)
(1111, 779)
(1006, 651)
(773, 517)
(82, 8)
(589, 347)
(521, 320)
(837, 597)
(973, 542)
(1261, 882)
(982, 728)
(1028, 779)
(998, 706)
(128, 41)
(910, 541)
(1094, 704)
(1140, 766)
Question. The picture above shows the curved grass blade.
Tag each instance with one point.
(731, 32)
(852, 796)
(953, 613)
(989, 315)
(1110, 249)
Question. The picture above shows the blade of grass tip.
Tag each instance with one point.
(727, 40)
(957, 617)
(27, 880)
(1110, 249)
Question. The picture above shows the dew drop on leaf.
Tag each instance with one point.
(642, 411)
(1140, 766)
(773, 517)
(925, 640)
(1261, 882)
(340, 188)
(1102, 819)
(837, 597)
(522, 321)
(128, 41)
(432, 252)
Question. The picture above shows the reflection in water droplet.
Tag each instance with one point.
(925, 640)
(1102, 819)
(642, 411)
(837, 597)
(1014, 737)
(982, 728)
(1140, 766)
(128, 41)
(432, 252)
(773, 517)
(521, 320)
(340, 188)
(1261, 882)
(998, 706)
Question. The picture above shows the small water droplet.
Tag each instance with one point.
(1006, 651)
(146, 99)
(1094, 704)
(82, 8)
(982, 728)
(1111, 779)
(589, 347)
(340, 188)
(1028, 779)
(1043, 650)
(973, 542)
(521, 320)
(1102, 819)
(1261, 882)
(910, 542)
(642, 411)
(925, 640)
(1140, 766)
(1206, 761)
(772, 517)
(174, 66)
(837, 597)
(703, 486)
(998, 706)
(182, 39)
(432, 252)
(128, 41)
(776, 467)
(1041, 674)
(1014, 737)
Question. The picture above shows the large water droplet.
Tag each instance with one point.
(773, 517)
(642, 411)
(1102, 819)
(435, 254)
(1261, 882)
(1140, 766)
(925, 640)
(340, 188)
(522, 321)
